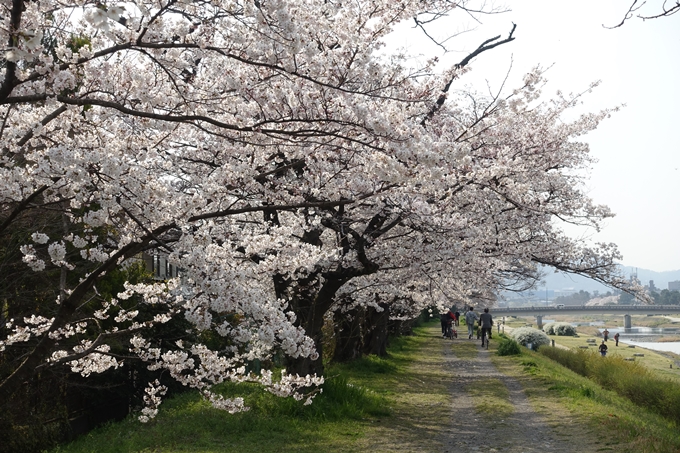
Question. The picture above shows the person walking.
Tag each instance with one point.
(447, 319)
(605, 334)
(444, 317)
(457, 314)
(486, 322)
(470, 318)
(603, 349)
(616, 338)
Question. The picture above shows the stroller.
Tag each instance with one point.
(451, 332)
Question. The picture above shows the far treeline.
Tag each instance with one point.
(664, 297)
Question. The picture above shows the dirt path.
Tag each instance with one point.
(436, 408)
(521, 430)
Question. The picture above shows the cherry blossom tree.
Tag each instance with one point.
(215, 133)
(275, 155)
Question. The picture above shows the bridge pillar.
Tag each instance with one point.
(539, 321)
(627, 322)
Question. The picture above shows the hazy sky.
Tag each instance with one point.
(638, 148)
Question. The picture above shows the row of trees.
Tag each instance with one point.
(290, 168)
(666, 297)
(579, 298)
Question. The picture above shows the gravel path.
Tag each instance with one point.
(524, 431)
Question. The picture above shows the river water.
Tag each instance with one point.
(644, 337)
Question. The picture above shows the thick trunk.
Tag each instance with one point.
(376, 334)
(401, 328)
(348, 335)
(310, 308)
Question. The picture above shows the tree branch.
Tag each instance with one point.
(486, 45)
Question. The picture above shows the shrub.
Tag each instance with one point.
(508, 346)
(560, 328)
(526, 335)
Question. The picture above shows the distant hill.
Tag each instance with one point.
(661, 279)
(560, 281)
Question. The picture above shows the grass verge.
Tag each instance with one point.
(629, 379)
(363, 403)
(575, 406)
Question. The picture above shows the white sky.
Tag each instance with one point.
(638, 149)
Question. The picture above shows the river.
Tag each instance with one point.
(644, 337)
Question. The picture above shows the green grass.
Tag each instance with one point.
(356, 395)
(576, 406)
(187, 423)
(491, 398)
(465, 350)
(389, 404)
(629, 379)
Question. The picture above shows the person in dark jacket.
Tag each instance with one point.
(603, 349)
(486, 323)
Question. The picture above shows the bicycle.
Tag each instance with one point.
(451, 333)
(486, 337)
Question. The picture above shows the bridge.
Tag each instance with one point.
(626, 310)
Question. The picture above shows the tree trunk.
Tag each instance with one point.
(348, 335)
(375, 338)
(401, 328)
(310, 308)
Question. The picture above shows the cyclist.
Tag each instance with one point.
(486, 322)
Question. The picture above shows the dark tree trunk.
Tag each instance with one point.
(375, 337)
(348, 335)
(310, 307)
(399, 328)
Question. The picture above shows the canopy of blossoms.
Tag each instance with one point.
(278, 157)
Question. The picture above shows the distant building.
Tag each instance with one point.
(652, 287)
(674, 286)
(157, 263)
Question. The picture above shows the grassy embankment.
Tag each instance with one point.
(366, 405)
(651, 381)
(397, 403)
(578, 407)
(666, 364)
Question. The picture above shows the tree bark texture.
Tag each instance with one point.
(348, 334)
(375, 337)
